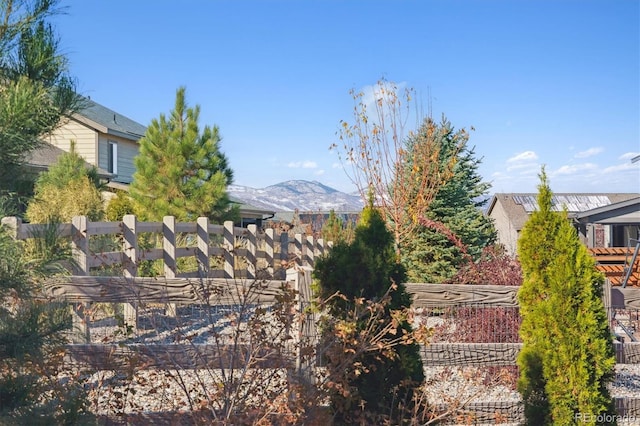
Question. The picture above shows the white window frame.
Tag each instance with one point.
(112, 157)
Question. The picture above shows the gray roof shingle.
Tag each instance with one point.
(111, 121)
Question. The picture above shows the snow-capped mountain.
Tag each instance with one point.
(303, 195)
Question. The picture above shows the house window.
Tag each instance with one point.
(112, 157)
(625, 235)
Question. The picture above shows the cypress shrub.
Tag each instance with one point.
(567, 358)
(381, 383)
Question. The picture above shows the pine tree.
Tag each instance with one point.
(431, 256)
(180, 171)
(32, 332)
(567, 358)
(35, 89)
(366, 269)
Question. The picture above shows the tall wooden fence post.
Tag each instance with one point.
(252, 246)
(169, 257)
(269, 251)
(203, 253)
(130, 262)
(80, 252)
(310, 257)
(299, 249)
(284, 256)
(306, 335)
(228, 245)
(320, 246)
(606, 301)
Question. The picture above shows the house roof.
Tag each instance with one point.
(622, 213)
(249, 211)
(108, 121)
(45, 155)
(518, 206)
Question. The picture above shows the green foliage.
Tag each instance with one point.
(181, 171)
(69, 166)
(13, 273)
(35, 90)
(335, 230)
(67, 189)
(567, 358)
(366, 270)
(118, 207)
(31, 334)
(431, 256)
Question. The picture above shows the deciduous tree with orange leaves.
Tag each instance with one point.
(375, 151)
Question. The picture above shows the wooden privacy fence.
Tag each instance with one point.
(244, 255)
(239, 253)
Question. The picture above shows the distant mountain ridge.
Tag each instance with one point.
(301, 195)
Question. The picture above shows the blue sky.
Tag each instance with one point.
(541, 82)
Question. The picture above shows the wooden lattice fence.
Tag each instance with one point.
(244, 255)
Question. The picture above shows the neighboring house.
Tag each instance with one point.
(250, 215)
(312, 222)
(44, 156)
(104, 138)
(109, 140)
(510, 211)
(613, 225)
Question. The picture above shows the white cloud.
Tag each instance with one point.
(628, 155)
(303, 165)
(522, 167)
(523, 156)
(319, 172)
(336, 166)
(574, 168)
(620, 167)
(589, 152)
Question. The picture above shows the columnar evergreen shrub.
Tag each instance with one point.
(567, 358)
(381, 380)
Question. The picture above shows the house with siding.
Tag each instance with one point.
(46, 155)
(603, 220)
(110, 141)
(104, 138)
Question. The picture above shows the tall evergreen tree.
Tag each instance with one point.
(567, 358)
(35, 88)
(35, 93)
(180, 170)
(366, 268)
(431, 255)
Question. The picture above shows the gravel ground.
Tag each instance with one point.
(153, 390)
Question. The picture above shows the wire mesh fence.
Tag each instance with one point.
(472, 323)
